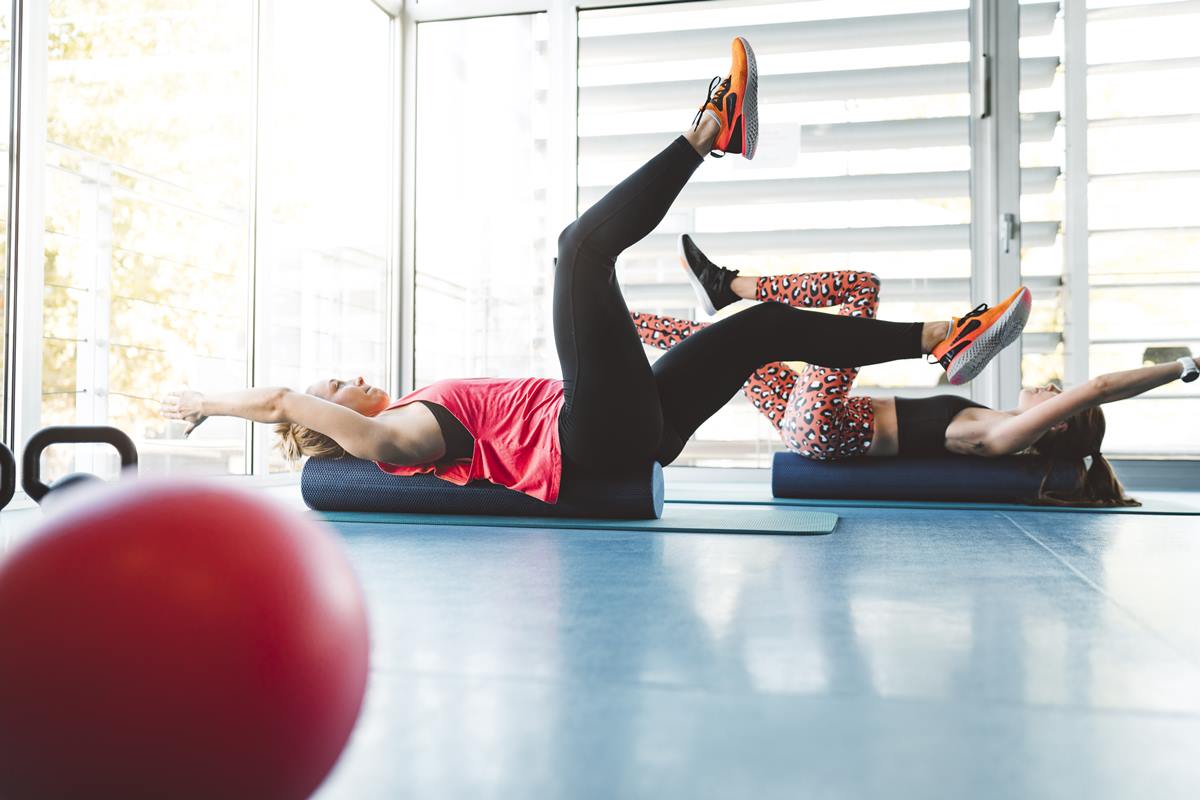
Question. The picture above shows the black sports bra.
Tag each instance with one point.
(921, 423)
(460, 444)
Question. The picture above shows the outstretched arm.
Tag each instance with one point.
(1132, 382)
(361, 436)
(261, 404)
(1015, 434)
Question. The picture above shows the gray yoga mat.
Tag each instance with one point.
(676, 518)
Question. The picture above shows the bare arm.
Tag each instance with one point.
(372, 438)
(1016, 433)
(361, 436)
(261, 404)
(1132, 382)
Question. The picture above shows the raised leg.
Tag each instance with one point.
(770, 387)
(856, 292)
(611, 415)
(767, 389)
(694, 377)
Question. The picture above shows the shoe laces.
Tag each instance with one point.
(975, 312)
(708, 98)
(718, 87)
(718, 98)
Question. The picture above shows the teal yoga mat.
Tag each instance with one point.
(676, 518)
(1161, 503)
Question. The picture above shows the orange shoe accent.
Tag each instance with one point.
(977, 337)
(734, 103)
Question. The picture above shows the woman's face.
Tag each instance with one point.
(356, 394)
(1034, 397)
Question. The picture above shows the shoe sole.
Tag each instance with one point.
(1001, 334)
(701, 292)
(750, 104)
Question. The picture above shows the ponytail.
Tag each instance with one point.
(1097, 485)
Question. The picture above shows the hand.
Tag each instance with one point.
(186, 406)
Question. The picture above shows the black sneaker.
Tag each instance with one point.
(710, 281)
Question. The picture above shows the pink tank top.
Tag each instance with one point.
(515, 425)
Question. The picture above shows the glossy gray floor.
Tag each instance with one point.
(922, 654)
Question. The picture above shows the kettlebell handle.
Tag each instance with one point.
(31, 459)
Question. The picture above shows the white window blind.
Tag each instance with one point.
(1143, 122)
(863, 163)
(1042, 205)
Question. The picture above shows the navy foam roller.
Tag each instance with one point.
(351, 484)
(949, 478)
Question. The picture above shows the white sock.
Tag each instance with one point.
(715, 117)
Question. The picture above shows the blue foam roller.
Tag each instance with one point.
(351, 484)
(949, 478)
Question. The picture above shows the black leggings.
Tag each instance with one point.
(619, 411)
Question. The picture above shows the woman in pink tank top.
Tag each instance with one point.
(612, 410)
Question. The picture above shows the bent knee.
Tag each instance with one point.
(571, 239)
(860, 278)
(567, 235)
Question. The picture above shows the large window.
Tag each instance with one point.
(324, 197)
(1125, 301)
(218, 212)
(1143, 233)
(483, 267)
(864, 161)
(149, 149)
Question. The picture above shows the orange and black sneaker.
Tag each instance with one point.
(733, 103)
(977, 337)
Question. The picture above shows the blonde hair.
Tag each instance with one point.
(297, 441)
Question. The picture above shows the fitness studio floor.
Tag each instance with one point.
(911, 653)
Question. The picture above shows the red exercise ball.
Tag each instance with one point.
(177, 640)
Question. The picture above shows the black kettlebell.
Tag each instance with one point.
(73, 479)
(31, 459)
(8, 476)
